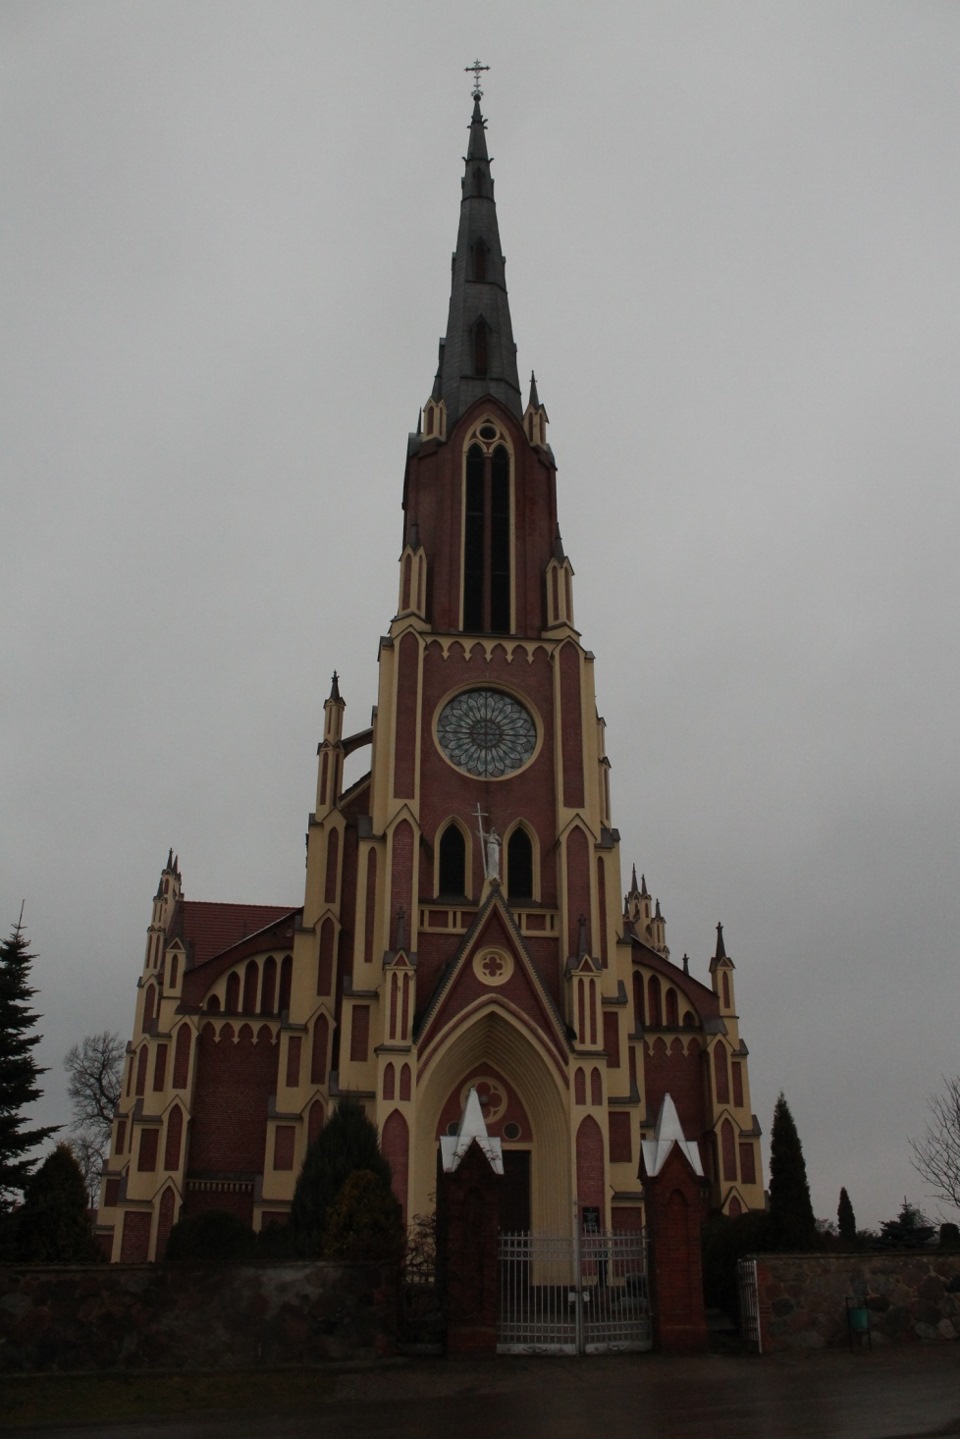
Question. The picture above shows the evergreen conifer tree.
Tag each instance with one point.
(347, 1142)
(53, 1224)
(19, 1070)
(846, 1223)
(791, 1214)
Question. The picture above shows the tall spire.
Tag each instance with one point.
(478, 356)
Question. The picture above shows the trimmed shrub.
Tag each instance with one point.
(215, 1235)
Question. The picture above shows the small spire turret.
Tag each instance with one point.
(535, 417)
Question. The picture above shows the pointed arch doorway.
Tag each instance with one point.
(524, 1102)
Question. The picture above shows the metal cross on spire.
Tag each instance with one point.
(476, 67)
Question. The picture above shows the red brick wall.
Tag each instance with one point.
(165, 1221)
(578, 888)
(395, 1146)
(406, 737)
(370, 907)
(149, 1144)
(135, 1238)
(284, 1141)
(360, 1032)
(621, 1147)
(611, 1037)
(325, 960)
(676, 1072)
(318, 1059)
(333, 867)
(401, 879)
(531, 794)
(235, 1082)
(571, 727)
(171, 1151)
(590, 1164)
(181, 1057)
(294, 1045)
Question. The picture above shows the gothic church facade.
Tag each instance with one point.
(463, 922)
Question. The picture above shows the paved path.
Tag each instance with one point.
(887, 1394)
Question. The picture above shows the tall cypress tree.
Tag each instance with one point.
(846, 1223)
(19, 1070)
(791, 1214)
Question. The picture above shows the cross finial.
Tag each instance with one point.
(476, 67)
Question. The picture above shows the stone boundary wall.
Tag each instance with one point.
(908, 1297)
(192, 1316)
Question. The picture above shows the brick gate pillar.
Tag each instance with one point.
(469, 1185)
(676, 1202)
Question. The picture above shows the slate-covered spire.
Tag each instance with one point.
(478, 356)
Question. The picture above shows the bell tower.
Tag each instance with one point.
(479, 944)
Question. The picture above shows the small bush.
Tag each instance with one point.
(215, 1235)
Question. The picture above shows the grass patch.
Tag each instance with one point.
(139, 1394)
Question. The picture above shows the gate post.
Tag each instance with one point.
(468, 1215)
(469, 1183)
(676, 1197)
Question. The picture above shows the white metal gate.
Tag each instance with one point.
(749, 1303)
(585, 1294)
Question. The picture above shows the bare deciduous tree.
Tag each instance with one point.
(936, 1155)
(94, 1070)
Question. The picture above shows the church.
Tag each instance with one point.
(464, 923)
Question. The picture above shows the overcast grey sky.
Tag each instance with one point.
(732, 239)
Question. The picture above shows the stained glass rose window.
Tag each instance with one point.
(486, 733)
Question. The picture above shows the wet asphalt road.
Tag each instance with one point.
(894, 1394)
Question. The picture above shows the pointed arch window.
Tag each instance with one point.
(452, 874)
(520, 865)
(486, 551)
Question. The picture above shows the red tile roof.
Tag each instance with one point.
(210, 928)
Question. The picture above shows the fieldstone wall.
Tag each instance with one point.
(908, 1297)
(193, 1316)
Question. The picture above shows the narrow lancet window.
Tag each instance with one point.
(487, 598)
(520, 866)
(451, 879)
